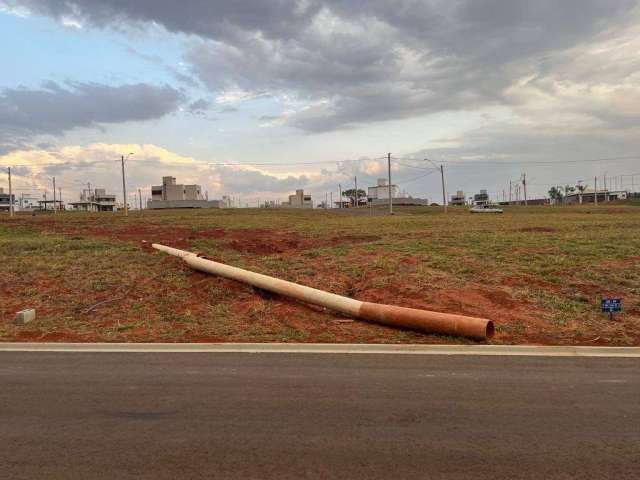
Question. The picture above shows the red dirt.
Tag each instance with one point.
(521, 281)
(538, 229)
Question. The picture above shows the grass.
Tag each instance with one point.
(539, 272)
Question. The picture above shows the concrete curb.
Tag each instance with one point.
(402, 349)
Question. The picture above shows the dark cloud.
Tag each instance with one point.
(199, 107)
(359, 61)
(54, 109)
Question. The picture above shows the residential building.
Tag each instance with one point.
(5, 202)
(174, 195)
(96, 200)
(298, 200)
(458, 198)
(588, 196)
(51, 205)
(381, 190)
(481, 198)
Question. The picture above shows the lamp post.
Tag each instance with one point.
(124, 186)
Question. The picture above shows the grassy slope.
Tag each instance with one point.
(539, 272)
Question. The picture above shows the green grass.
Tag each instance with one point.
(538, 271)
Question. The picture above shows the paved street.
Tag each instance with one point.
(240, 415)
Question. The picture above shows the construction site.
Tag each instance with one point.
(537, 272)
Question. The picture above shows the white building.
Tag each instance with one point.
(173, 195)
(298, 200)
(96, 200)
(381, 190)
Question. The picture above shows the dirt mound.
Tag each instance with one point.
(342, 239)
(538, 229)
(270, 242)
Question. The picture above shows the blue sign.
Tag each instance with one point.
(611, 305)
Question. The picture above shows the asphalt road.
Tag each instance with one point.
(173, 415)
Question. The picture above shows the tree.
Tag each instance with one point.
(556, 194)
(567, 190)
(351, 195)
(581, 188)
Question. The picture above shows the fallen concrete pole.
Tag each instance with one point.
(421, 320)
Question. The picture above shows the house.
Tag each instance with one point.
(381, 190)
(96, 200)
(298, 200)
(5, 203)
(51, 205)
(589, 195)
(174, 195)
(481, 198)
(458, 198)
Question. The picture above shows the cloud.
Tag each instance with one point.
(55, 109)
(199, 107)
(356, 62)
(98, 163)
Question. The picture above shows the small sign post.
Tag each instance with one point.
(611, 306)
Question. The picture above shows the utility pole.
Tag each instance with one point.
(444, 194)
(390, 195)
(140, 198)
(10, 195)
(124, 189)
(606, 196)
(54, 196)
(331, 204)
(524, 187)
(595, 190)
(510, 183)
(357, 199)
(60, 197)
(340, 195)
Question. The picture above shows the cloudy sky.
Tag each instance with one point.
(254, 98)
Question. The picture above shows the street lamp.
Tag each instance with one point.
(124, 185)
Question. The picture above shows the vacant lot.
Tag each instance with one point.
(539, 272)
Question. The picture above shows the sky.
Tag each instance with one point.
(254, 99)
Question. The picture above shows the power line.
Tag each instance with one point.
(413, 166)
(530, 163)
(404, 182)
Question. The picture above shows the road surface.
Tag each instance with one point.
(239, 415)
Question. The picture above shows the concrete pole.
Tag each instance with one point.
(595, 190)
(357, 199)
(444, 193)
(124, 189)
(389, 178)
(340, 195)
(140, 198)
(331, 195)
(422, 320)
(10, 195)
(60, 197)
(55, 210)
(524, 187)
